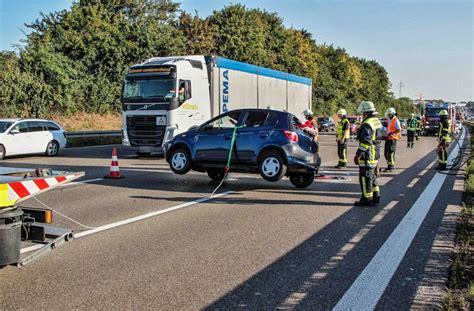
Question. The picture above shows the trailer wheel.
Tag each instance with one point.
(180, 161)
(52, 149)
(2, 152)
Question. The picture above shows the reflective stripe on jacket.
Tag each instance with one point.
(392, 128)
(444, 132)
(340, 131)
(412, 124)
(369, 142)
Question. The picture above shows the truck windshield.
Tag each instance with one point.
(149, 90)
(4, 126)
(432, 112)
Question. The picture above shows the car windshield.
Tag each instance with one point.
(323, 119)
(146, 89)
(4, 125)
(432, 112)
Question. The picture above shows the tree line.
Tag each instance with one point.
(74, 60)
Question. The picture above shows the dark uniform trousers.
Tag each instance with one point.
(389, 151)
(342, 153)
(368, 182)
(411, 138)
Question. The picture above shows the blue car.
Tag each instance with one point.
(268, 142)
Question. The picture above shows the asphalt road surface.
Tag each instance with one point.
(259, 245)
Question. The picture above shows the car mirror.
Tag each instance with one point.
(14, 132)
(193, 128)
(207, 127)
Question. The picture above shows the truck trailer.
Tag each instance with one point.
(165, 96)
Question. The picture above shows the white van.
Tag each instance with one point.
(30, 136)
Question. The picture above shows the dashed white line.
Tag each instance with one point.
(370, 285)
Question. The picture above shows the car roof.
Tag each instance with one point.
(24, 119)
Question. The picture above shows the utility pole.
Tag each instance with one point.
(400, 85)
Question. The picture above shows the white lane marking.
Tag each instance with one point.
(370, 285)
(296, 297)
(134, 219)
(413, 182)
(80, 182)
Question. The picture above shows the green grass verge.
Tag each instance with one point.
(460, 295)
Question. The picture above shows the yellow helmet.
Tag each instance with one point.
(366, 106)
(443, 112)
(342, 112)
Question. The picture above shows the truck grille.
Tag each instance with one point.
(143, 131)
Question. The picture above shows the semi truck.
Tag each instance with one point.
(165, 96)
(431, 119)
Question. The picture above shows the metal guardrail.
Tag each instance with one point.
(115, 133)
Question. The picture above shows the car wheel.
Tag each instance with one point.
(52, 149)
(180, 161)
(216, 174)
(271, 167)
(2, 152)
(302, 180)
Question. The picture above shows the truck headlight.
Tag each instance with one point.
(169, 135)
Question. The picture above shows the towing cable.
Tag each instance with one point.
(227, 167)
(459, 160)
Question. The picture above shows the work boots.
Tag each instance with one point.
(339, 166)
(364, 202)
(441, 167)
(376, 199)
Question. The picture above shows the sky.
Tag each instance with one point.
(428, 45)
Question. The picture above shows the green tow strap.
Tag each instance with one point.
(232, 141)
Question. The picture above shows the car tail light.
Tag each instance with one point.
(292, 136)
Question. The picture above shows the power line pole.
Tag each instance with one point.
(400, 85)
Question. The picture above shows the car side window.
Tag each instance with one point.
(21, 127)
(256, 119)
(35, 126)
(228, 121)
(50, 126)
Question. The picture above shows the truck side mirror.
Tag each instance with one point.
(14, 132)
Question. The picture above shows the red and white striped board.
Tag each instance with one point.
(24, 189)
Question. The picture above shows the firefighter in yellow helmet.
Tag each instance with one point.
(342, 136)
(444, 138)
(368, 154)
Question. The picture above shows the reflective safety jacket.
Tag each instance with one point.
(393, 126)
(369, 136)
(444, 133)
(412, 124)
(343, 129)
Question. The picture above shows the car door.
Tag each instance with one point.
(39, 138)
(17, 141)
(212, 142)
(258, 130)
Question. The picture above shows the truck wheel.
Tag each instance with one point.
(2, 152)
(52, 149)
(180, 161)
(272, 167)
(216, 174)
(302, 180)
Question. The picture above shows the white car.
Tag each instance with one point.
(30, 136)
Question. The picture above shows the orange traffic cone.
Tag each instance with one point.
(114, 167)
